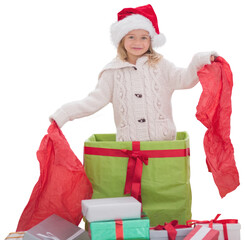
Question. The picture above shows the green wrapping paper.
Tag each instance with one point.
(132, 229)
(165, 182)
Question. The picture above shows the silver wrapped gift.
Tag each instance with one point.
(56, 228)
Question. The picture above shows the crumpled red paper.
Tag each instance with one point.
(214, 111)
(61, 186)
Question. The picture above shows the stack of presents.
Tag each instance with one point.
(141, 190)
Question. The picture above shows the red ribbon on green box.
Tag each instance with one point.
(136, 160)
(215, 220)
(119, 229)
(115, 168)
(134, 171)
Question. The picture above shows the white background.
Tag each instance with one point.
(51, 52)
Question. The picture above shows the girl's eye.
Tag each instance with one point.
(130, 37)
(144, 38)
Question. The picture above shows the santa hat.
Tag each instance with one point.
(130, 19)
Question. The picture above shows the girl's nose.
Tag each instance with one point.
(138, 40)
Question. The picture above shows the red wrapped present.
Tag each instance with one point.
(202, 233)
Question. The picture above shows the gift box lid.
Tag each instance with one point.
(111, 208)
(57, 228)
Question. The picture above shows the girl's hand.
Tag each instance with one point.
(212, 58)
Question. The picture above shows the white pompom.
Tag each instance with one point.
(158, 40)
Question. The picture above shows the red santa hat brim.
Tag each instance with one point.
(132, 22)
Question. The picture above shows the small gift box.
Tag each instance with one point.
(120, 229)
(111, 208)
(229, 228)
(15, 236)
(170, 231)
(56, 228)
(202, 233)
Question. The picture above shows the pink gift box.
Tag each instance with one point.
(202, 233)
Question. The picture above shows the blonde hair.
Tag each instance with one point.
(153, 56)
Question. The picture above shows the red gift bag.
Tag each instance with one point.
(62, 184)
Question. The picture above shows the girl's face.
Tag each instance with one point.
(136, 43)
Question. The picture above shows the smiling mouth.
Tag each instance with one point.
(135, 48)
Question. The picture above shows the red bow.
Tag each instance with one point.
(171, 228)
(215, 220)
(135, 162)
(134, 170)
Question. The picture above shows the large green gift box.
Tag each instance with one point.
(120, 229)
(165, 182)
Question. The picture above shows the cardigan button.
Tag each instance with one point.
(142, 120)
(138, 95)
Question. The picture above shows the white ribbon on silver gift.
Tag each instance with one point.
(48, 236)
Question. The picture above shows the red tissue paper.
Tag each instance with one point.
(214, 111)
(62, 184)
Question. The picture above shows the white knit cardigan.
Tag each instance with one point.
(141, 97)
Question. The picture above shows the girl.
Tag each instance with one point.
(139, 82)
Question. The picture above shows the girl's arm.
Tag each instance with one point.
(96, 100)
(183, 78)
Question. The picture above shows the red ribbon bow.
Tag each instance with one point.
(215, 220)
(135, 163)
(171, 228)
(134, 170)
